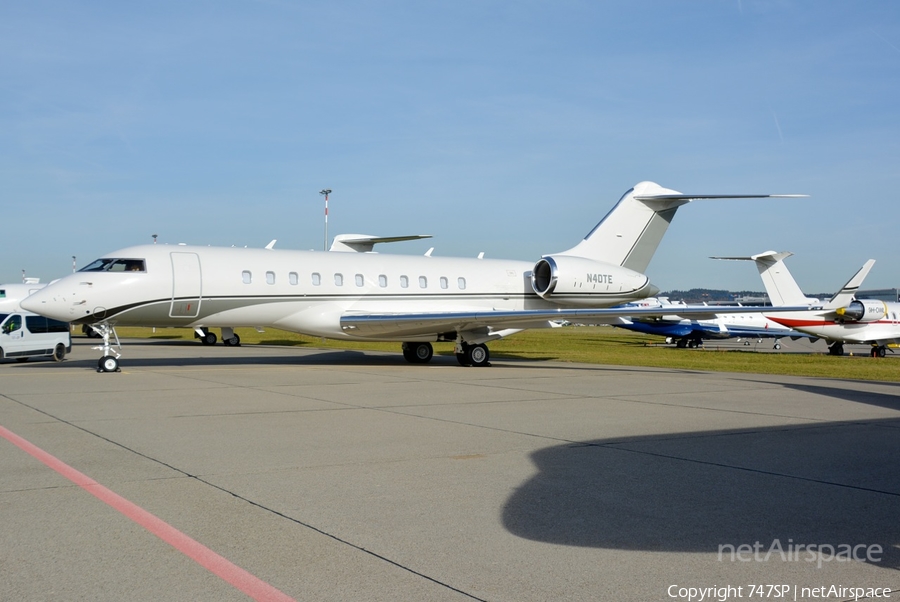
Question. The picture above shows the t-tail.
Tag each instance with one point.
(631, 232)
(612, 258)
(780, 284)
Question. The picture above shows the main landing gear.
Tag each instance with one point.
(878, 350)
(836, 348)
(229, 337)
(466, 354)
(110, 360)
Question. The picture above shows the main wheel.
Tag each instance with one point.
(836, 349)
(234, 341)
(59, 352)
(478, 355)
(681, 343)
(878, 351)
(423, 352)
(418, 353)
(108, 363)
(209, 338)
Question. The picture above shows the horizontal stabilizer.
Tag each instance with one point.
(363, 243)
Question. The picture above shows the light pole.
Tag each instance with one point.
(326, 192)
(73, 264)
(154, 237)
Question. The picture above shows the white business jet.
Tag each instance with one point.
(843, 319)
(365, 296)
(11, 295)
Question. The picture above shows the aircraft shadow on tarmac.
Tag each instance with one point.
(832, 483)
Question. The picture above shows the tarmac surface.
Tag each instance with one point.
(340, 475)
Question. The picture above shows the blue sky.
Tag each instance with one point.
(504, 127)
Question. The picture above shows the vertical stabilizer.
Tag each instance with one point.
(630, 234)
(632, 230)
(848, 292)
(780, 284)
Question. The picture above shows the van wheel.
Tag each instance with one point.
(59, 352)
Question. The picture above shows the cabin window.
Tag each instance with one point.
(404, 281)
(246, 277)
(382, 281)
(444, 283)
(461, 283)
(270, 277)
(339, 280)
(293, 278)
(316, 279)
(423, 282)
(360, 280)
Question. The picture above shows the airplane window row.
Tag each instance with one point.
(359, 280)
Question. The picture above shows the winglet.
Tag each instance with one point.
(363, 243)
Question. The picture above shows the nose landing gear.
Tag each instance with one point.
(110, 360)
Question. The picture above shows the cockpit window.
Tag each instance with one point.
(115, 265)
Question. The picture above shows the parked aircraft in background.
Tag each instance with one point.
(11, 295)
(686, 332)
(843, 319)
(364, 296)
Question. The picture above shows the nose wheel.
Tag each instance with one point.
(108, 363)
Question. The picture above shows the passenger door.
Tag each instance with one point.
(186, 285)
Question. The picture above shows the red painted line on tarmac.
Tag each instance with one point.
(219, 566)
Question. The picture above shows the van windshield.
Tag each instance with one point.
(108, 264)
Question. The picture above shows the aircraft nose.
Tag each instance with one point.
(44, 302)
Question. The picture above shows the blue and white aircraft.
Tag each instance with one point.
(687, 332)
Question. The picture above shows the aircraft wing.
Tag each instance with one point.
(401, 324)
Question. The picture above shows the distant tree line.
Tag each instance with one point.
(714, 295)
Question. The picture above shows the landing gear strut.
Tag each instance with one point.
(110, 360)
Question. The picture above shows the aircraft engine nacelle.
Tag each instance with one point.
(580, 281)
(865, 310)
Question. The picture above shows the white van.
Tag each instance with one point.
(24, 335)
